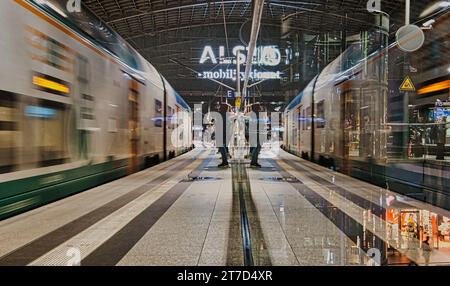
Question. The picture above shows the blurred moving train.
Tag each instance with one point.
(353, 118)
(78, 106)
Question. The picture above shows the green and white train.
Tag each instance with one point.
(78, 106)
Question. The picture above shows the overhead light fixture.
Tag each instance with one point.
(53, 7)
(434, 7)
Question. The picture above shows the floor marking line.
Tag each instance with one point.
(338, 217)
(116, 247)
(209, 226)
(341, 175)
(42, 245)
(376, 209)
(281, 225)
(323, 204)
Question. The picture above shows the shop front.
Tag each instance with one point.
(408, 227)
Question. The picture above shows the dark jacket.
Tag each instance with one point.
(252, 129)
(221, 131)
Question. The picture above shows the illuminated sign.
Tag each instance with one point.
(443, 85)
(231, 74)
(39, 112)
(268, 56)
(50, 84)
(230, 94)
(263, 56)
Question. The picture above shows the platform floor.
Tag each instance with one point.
(187, 211)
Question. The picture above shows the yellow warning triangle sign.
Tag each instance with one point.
(407, 85)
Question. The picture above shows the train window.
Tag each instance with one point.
(158, 120)
(174, 118)
(8, 131)
(295, 117)
(45, 126)
(302, 119)
(320, 118)
(181, 102)
(170, 118)
(94, 29)
(85, 99)
(82, 68)
(308, 118)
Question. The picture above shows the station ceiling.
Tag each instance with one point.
(171, 34)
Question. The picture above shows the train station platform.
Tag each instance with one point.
(187, 211)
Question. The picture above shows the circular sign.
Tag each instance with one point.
(410, 38)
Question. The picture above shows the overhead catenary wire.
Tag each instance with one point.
(191, 69)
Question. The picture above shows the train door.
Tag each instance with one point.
(9, 131)
(293, 131)
(344, 125)
(297, 128)
(85, 105)
(133, 125)
(366, 98)
(287, 130)
(350, 125)
(179, 131)
(169, 130)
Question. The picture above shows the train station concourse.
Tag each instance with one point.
(225, 133)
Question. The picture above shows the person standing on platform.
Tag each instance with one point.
(255, 134)
(426, 250)
(221, 134)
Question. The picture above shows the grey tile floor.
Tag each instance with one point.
(290, 224)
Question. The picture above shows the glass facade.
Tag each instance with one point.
(380, 112)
